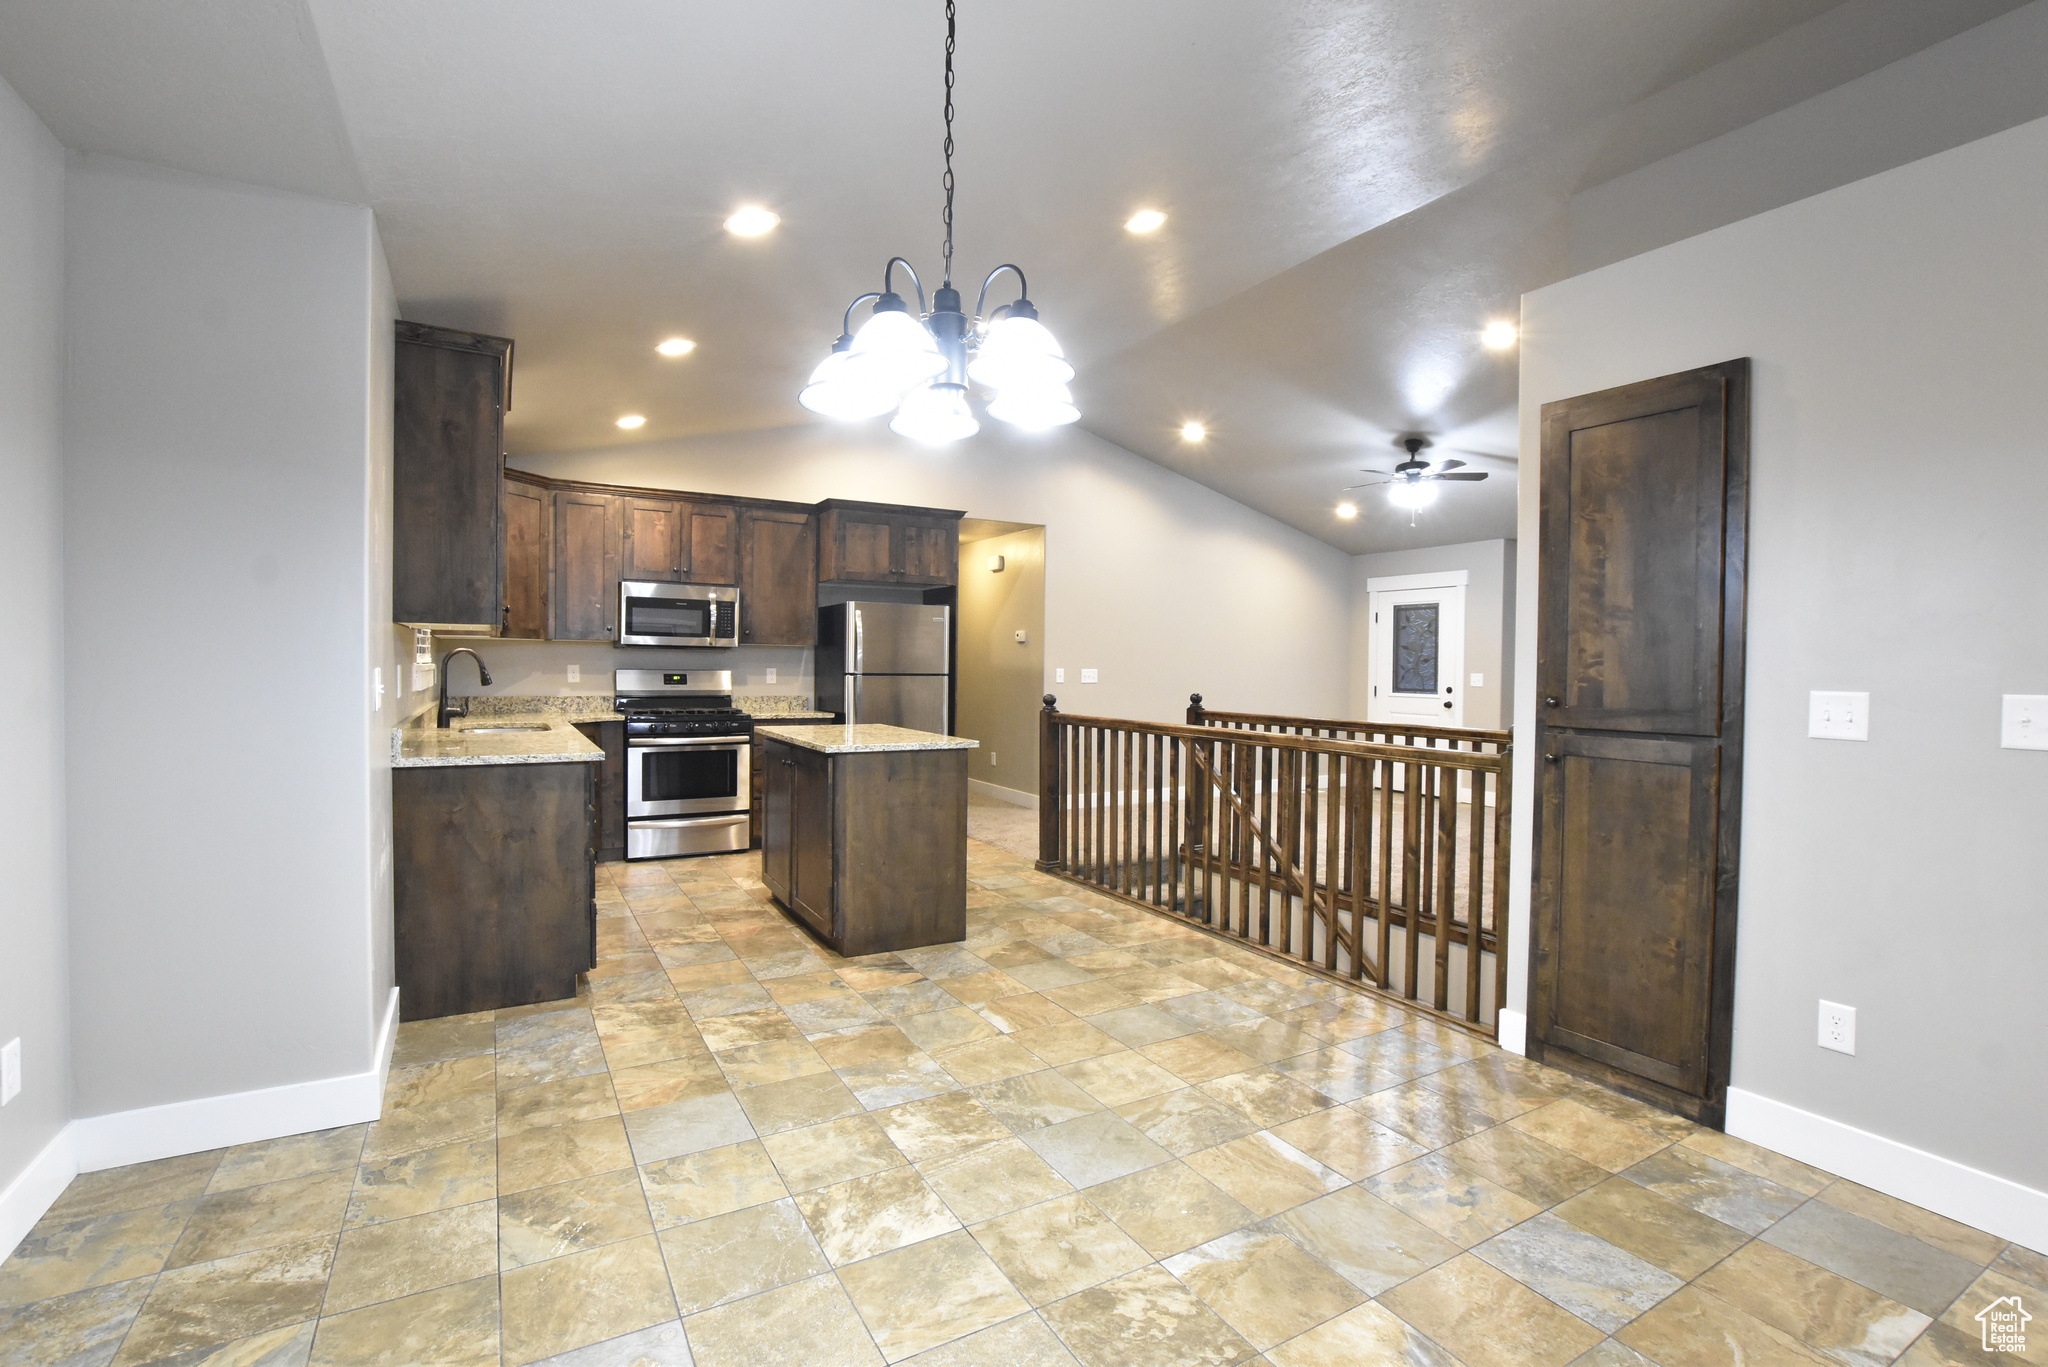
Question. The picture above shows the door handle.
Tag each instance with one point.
(1446, 704)
(1550, 759)
(1550, 702)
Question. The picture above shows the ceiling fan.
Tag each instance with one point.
(1409, 484)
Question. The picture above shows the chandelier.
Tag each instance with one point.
(920, 365)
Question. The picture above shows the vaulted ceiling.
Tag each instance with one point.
(1352, 189)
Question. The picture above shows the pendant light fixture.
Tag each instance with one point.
(920, 365)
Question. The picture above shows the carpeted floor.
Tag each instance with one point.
(1003, 825)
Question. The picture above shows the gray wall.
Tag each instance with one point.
(1489, 621)
(33, 988)
(1898, 547)
(1000, 681)
(228, 348)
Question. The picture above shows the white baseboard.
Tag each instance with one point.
(1009, 795)
(1513, 1029)
(1996, 1204)
(35, 1190)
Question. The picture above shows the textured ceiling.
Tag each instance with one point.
(1352, 187)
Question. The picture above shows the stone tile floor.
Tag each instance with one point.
(1087, 1134)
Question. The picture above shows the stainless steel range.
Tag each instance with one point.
(689, 762)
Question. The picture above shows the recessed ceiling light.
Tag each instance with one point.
(1144, 221)
(1193, 431)
(1499, 335)
(631, 421)
(751, 221)
(677, 346)
(1347, 510)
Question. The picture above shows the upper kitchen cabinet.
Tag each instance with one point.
(529, 524)
(778, 577)
(452, 389)
(653, 549)
(711, 543)
(876, 543)
(589, 542)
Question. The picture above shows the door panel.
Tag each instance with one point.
(899, 638)
(812, 857)
(1639, 669)
(526, 561)
(777, 792)
(916, 701)
(931, 553)
(779, 579)
(586, 596)
(712, 545)
(864, 550)
(653, 548)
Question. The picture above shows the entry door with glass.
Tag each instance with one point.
(1418, 649)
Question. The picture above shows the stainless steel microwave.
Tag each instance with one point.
(678, 614)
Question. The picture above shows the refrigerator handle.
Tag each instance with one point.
(849, 700)
(859, 643)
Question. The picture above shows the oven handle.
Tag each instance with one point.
(686, 822)
(650, 742)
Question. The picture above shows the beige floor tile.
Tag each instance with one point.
(586, 1212)
(1627, 1109)
(564, 1303)
(414, 1183)
(474, 1075)
(736, 1031)
(807, 987)
(453, 1325)
(1269, 1041)
(1897, 1265)
(276, 1213)
(1525, 1165)
(138, 1186)
(1150, 983)
(806, 1324)
(1023, 1011)
(1962, 1316)
(704, 977)
(1266, 1097)
(437, 1041)
(988, 1060)
(1169, 1209)
(1024, 1341)
(1711, 1187)
(1945, 1346)
(936, 1030)
(1058, 1247)
(1114, 1079)
(1364, 1240)
(299, 1155)
(1144, 1319)
(941, 1126)
(874, 1214)
(1341, 1138)
(1695, 1328)
(658, 1084)
(1487, 1318)
(1363, 1334)
(1264, 1174)
(1186, 1120)
(541, 1158)
(1338, 1075)
(1095, 1148)
(1599, 1139)
(836, 1151)
(1460, 1205)
(1198, 1057)
(84, 1328)
(1263, 1285)
(698, 1185)
(929, 1293)
(1849, 1323)
(1601, 1283)
(797, 1102)
(701, 1122)
(992, 1181)
(973, 989)
(757, 1065)
(404, 1257)
(1035, 1100)
(1069, 1043)
(1494, 1086)
(1740, 1153)
(1430, 1118)
(1971, 1245)
(231, 1298)
(875, 1044)
(62, 1255)
(432, 1125)
(2023, 1265)
(740, 1254)
(1216, 973)
(1674, 1237)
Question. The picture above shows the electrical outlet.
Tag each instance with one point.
(1838, 716)
(2023, 722)
(575, 673)
(771, 675)
(991, 759)
(1088, 676)
(1478, 681)
(1059, 676)
(10, 1071)
(1837, 1027)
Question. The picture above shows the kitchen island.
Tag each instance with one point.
(864, 833)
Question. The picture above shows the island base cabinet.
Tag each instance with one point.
(868, 850)
(493, 885)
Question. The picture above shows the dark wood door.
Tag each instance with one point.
(653, 545)
(778, 578)
(863, 543)
(450, 392)
(526, 560)
(711, 543)
(610, 737)
(1639, 677)
(811, 827)
(931, 552)
(778, 785)
(587, 552)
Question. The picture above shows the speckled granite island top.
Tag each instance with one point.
(863, 740)
(425, 747)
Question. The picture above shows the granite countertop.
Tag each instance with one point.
(428, 747)
(779, 717)
(864, 740)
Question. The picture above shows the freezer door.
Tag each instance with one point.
(917, 701)
(898, 638)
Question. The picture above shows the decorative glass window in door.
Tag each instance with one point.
(1415, 627)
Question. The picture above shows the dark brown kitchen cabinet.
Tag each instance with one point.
(528, 515)
(610, 737)
(874, 543)
(778, 577)
(588, 544)
(711, 543)
(450, 393)
(653, 546)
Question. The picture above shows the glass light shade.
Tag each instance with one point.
(1019, 352)
(1411, 494)
(1035, 407)
(935, 414)
(839, 389)
(894, 351)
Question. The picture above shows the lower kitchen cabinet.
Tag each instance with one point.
(868, 849)
(610, 737)
(493, 885)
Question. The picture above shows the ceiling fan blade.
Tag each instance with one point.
(1364, 471)
(1469, 474)
(1374, 485)
(1448, 465)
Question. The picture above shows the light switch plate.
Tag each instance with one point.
(2023, 722)
(1837, 1027)
(771, 674)
(1088, 676)
(1838, 716)
(10, 1071)
(1059, 676)
(1478, 681)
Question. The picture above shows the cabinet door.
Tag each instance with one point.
(810, 828)
(610, 737)
(858, 547)
(777, 789)
(930, 552)
(778, 578)
(587, 549)
(711, 544)
(526, 560)
(447, 464)
(653, 546)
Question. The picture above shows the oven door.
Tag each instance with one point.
(675, 776)
(665, 615)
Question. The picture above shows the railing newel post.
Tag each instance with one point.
(1050, 787)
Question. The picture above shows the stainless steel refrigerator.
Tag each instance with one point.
(888, 664)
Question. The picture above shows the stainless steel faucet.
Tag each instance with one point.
(483, 677)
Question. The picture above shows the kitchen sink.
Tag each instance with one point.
(508, 726)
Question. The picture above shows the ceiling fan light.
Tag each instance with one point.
(935, 415)
(1035, 408)
(893, 350)
(1019, 351)
(1404, 493)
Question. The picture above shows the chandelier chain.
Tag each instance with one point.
(948, 215)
